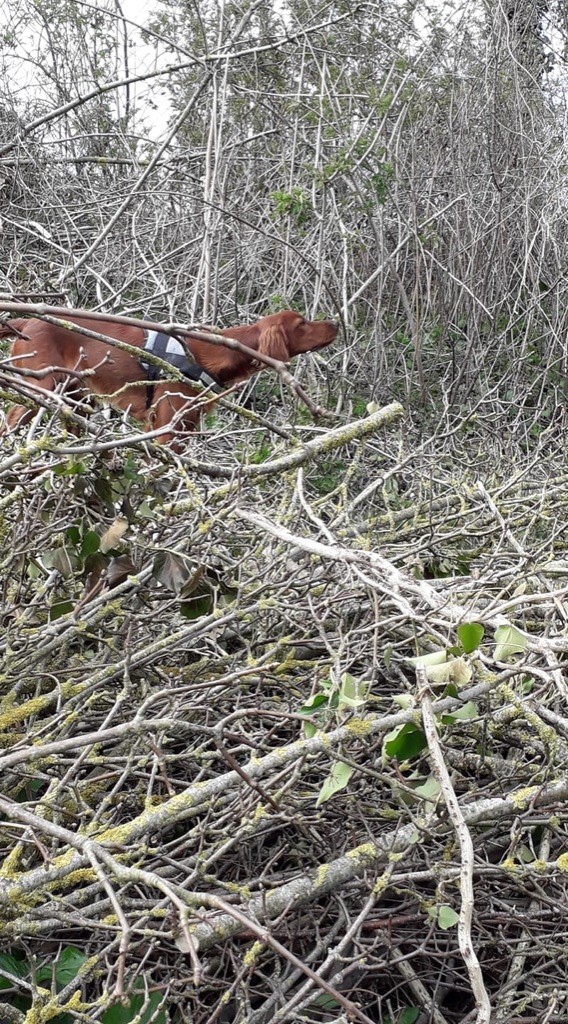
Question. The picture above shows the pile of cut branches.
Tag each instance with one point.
(284, 729)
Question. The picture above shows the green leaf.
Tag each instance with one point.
(10, 964)
(428, 789)
(103, 489)
(70, 468)
(126, 1014)
(447, 917)
(470, 635)
(90, 543)
(315, 702)
(261, 455)
(404, 741)
(59, 608)
(196, 607)
(325, 1002)
(309, 729)
(352, 692)
(435, 658)
(407, 1016)
(60, 560)
(463, 714)
(509, 641)
(68, 965)
(340, 775)
(404, 700)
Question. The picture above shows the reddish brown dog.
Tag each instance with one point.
(44, 345)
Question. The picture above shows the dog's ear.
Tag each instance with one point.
(273, 343)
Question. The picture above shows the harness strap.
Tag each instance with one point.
(176, 354)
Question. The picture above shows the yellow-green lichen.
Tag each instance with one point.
(522, 797)
(321, 875)
(252, 954)
(239, 890)
(381, 884)
(509, 865)
(79, 877)
(10, 863)
(366, 853)
(16, 713)
(562, 863)
(359, 727)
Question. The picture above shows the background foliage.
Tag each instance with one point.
(232, 678)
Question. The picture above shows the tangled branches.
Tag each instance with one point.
(230, 793)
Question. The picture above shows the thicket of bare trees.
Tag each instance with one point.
(283, 718)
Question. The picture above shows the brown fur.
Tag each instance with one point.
(44, 345)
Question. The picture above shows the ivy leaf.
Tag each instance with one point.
(404, 742)
(509, 641)
(11, 965)
(68, 965)
(127, 1014)
(404, 700)
(65, 968)
(196, 607)
(119, 569)
(447, 917)
(59, 608)
(463, 714)
(427, 660)
(470, 635)
(90, 543)
(60, 560)
(172, 570)
(409, 1015)
(352, 691)
(340, 775)
(428, 789)
(315, 702)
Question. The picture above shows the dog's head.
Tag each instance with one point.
(287, 334)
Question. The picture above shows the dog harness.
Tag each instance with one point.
(173, 352)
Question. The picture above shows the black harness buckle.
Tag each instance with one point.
(176, 354)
